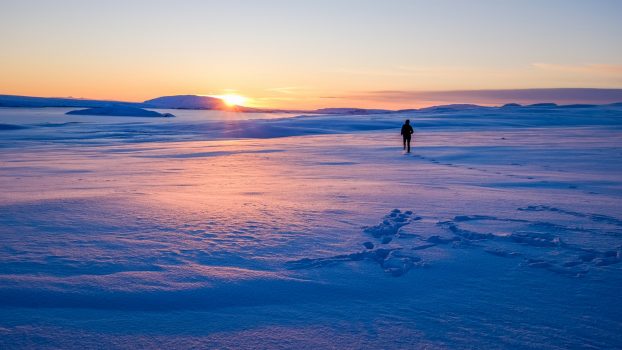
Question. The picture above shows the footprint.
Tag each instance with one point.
(390, 260)
(501, 252)
(388, 229)
(537, 239)
(398, 264)
(593, 217)
(541, 242)
(393, 261)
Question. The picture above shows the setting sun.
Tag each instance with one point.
(233, 99)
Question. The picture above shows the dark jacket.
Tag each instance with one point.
(407, 130)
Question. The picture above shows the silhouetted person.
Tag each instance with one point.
(407, 132)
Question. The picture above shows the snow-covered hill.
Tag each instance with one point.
(120, 111)
(186, 102)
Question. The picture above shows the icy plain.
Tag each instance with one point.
(503, 229)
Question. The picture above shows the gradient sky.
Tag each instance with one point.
(305, 54)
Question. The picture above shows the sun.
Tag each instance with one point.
(233, 99)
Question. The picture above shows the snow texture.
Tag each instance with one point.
(503, 229)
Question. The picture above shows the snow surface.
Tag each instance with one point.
(503, 229)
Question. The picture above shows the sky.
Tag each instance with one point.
(307, 54)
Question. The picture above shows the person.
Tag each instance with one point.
(407, 132)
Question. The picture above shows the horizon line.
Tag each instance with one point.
(429, 98)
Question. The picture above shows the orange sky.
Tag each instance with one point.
(305, 54)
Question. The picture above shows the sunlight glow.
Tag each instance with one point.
(233, 99)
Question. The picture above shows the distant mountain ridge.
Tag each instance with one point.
(212, 103)
(163, 102)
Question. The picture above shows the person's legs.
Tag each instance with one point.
(404, 139)
(408, 143)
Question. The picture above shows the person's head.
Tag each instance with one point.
(407, 121)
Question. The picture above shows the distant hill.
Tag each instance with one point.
(579, 105)
(194, 102)
(28, 101)
(120, 111)
(544, 104)
(186, 102)
(351, 111)
(450, 108)
(166, 102)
